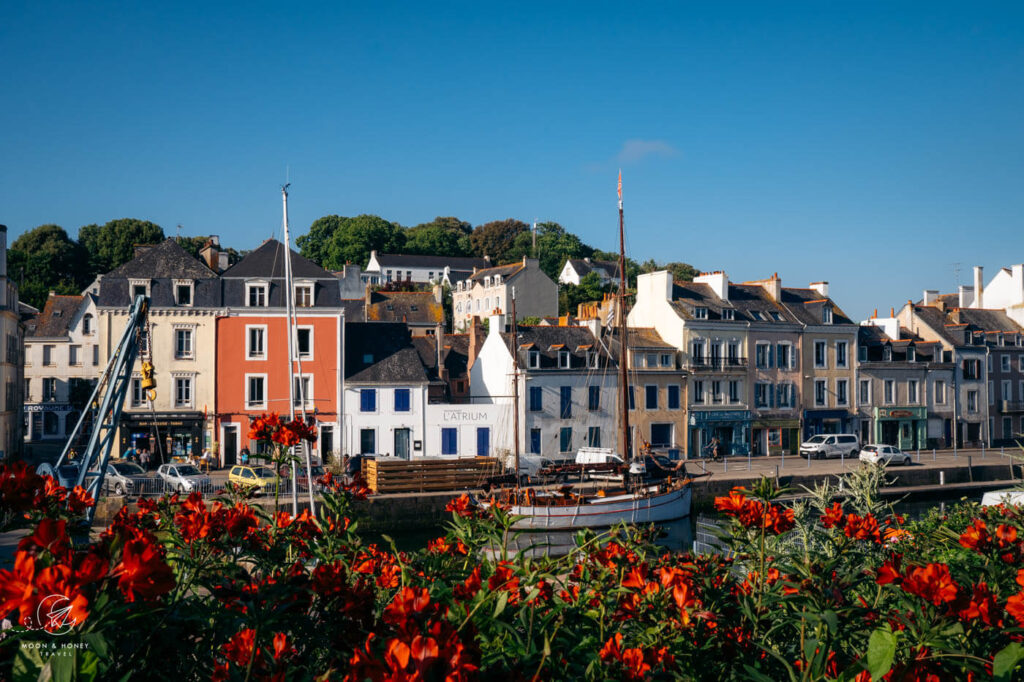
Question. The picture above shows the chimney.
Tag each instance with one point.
(438, 294)
(820, 287)
(717, 280)
(210, 254)
(476, 340)
(773, 285)
(966, 296)
(979, 287)
(439, 342)
(497, 322)
(930, 296)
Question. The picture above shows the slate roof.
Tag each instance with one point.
(646, 337)
(936, 319)
(414, 307)
(355, 309)
(506, 271)
(806, 306)
(687, 296)
(267, 262)
(406, 260)
(748, 299)
(55, 319)
(984, 319)
(875, 339)
(549, 341)
(583, 267)
(381, 352)
(164, 260)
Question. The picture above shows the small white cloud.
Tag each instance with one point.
(636, 150)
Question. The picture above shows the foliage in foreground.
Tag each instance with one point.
(189, 589)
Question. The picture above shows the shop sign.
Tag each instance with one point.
(719, 416)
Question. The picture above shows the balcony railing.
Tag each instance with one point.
(709, 362)
(1011, 406)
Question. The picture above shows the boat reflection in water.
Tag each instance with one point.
(674, 536)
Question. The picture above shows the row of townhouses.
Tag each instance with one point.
(758, 365)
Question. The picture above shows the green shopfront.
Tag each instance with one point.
(731, 427)
(904, 427)
(775, 436)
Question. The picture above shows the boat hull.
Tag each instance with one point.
(1010, 497)
(603, 513)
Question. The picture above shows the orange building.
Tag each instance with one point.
(252, 348)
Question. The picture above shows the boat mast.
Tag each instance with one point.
(515, 385)
(623, 340)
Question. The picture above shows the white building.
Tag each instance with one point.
(62, 365)
(386, 268)
(491, 289)
(575, 269)
(12, 363)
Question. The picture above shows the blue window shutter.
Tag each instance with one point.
(449, 441)
(368, 400)
(401, 400)
(566, 401)
(483, 441)
(535, 441)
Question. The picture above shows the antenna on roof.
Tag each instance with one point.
(534, 237)
(956, 274)
(179, 232)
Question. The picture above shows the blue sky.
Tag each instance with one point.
(870, 144)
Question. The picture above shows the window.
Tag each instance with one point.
(1005, 362)
(594, 436)
(563, 359)
(593, 398)
(940, 392)
(661, 435)
(697, 351)
(144, 341)
(591, 359)
(401, 400)
(912, 397)
(761, 394)
(841, 360)
(95, 355)
(48, 356)
(536, 399)
(535, 441)
(183, 293)
(533, 359)
(842, 392)
(890, 391)
(826, 315)
(820, 397)
(28, 390)
(255, 391)
(820, 354)
(972, 401)
(632, 398)
(565, 439)
(483, 441)
(303, 342)
(1006, 390)
(650, 397)
(911, 354)
(303, 295)
(732, 352)
(256, 294)
(716, 391)
(182, 343)
(864, 396)
(388, 275)
(734, 391)
(762, 355)
(368, 441)
(989, 358)
(368, 400)
(565, 401)
(138, 395)
(862, 353)
(972, 369)
(728, 314)
(87, 324)
(183, 392)
(673, 397)
(140, 287)
(700, 313)
(887, 353)
(1020, 362)
(74, 355)
(303, 391)
(698, 391)
(783, 352)
(49, 390)
(666, 360)
(256, 343)
(787, 397)
(651, 360)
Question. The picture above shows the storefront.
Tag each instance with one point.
(165, 435)
(775, 436)
(731, 427)
(827, 421)
(49, 421)
(904, 427)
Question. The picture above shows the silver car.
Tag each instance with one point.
(127, 478)
(183, 478)
(884, 454)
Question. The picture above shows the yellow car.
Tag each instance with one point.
(259, 477)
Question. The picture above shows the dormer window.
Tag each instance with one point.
(256, 294)
(563, 359)
(887, 354)
(139, 287)
(700, 313)
(755, 314)
(183, 290)
(591, 359)
(728, 314)
(533, 359)
(826, 315)
(776, 316)
(304, 295)
(87, 324)
(497, 280)
(911, 354)
(862, 353)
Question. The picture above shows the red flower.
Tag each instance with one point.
(468, 589)
(932, 583)
(889, 573)
(241, 647)
(143, 573)
(17, 591)
(833, 516)
(1015, 607)
(407, 603)
(612, 651)
(976, 536)
(505, 578)
(1007, 535)
(50, 536)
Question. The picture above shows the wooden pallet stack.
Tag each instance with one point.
(428, 475)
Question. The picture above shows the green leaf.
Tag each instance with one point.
(754, 674)
(1004, 662)
(27, 664)
(500, 606)
(881, 653)
(832, 620)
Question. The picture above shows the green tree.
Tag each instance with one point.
(447, 236)
(313, 244)
(46, 259)
(496, 238)
(680, 271)
(353, 241)
(554, 246)
(589, 289)
(113, 244)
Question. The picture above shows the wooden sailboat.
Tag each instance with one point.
(637, 504)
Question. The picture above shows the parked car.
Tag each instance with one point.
(66, 474)
(303, 479)
(830, 445)
(126, 478)
(884, 454)
(261, 478)
(183, 478)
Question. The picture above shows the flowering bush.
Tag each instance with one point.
(281, 436)
(189, 588)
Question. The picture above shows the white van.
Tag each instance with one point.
(588, 455)
(830, 445)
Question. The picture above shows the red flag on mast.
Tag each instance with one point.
(620, 184)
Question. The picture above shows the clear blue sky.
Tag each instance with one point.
(869, 144)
